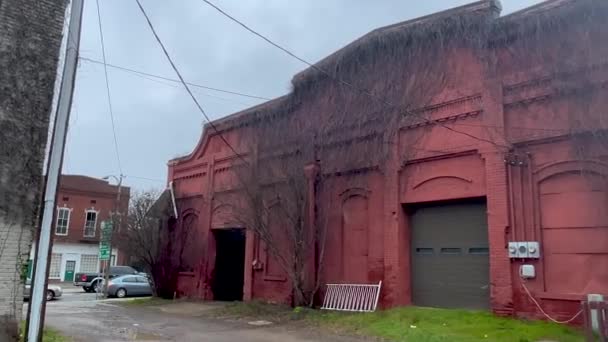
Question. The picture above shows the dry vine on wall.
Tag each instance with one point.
(29, 49)
(561, 53)
(340, 129)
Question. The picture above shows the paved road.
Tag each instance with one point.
(73, 293)
(81, 317)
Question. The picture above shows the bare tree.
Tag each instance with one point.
(142, 238)
(155, 242)
(143, 231)
(274, 205)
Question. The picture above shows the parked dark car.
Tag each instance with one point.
(129, 285)
(92, 282)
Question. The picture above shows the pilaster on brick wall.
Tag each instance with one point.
(493, 152)
(248, 269)
(395, 288)
(311, 171)
(501, 291)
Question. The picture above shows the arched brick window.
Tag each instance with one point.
(573, 201)
(355, 238)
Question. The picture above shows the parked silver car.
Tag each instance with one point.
(52, 291)
(129, 285)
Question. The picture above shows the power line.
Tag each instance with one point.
(198, 105)
(173, 80)
(147, 178)
(286, 50)
(105, 69)
(336, 79)
(178, 86)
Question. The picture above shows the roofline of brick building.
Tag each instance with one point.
(82, 183)
(540, 7)
(492, 7)
(488, 7)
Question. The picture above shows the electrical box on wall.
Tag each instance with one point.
(524, 249)
(533, 249)
(527, 271)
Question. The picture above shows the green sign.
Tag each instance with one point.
(104, 253)
(104, 250)
(106, 230)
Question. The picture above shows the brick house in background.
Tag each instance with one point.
(82, 204)
(506, 152)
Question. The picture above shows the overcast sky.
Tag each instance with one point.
(156, 120)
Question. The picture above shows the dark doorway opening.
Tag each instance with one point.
(229, 264)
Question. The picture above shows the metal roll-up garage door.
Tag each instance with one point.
(450, 256)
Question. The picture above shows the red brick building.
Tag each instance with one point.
(82, 204)
(507, 153)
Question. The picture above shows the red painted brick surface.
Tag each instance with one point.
(497, 109)
(81, 193)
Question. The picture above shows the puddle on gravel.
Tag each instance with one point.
(141, 336)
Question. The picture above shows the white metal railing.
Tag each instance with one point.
(352, 297)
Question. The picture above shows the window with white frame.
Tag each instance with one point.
(90, 223)
(55, 270)
(63, 221)
(89, 263)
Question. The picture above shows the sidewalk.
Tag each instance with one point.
(105, 321)
(60, 283)
(66, 286)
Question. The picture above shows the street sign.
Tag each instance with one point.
(106, 230)
(104, 253)
(104, 250)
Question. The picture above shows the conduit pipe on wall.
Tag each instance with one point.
(173, 199)
(522, 202)
(532, 187)
(511, 204)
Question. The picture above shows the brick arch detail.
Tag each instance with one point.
(189, 211)
(222, 216)
(355, 237)
(574, 228)
(353, 192)
(560, 167)
(466, 180)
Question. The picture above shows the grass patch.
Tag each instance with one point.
(49, 335)
(409, 323)
(146, 301)
(428, 324)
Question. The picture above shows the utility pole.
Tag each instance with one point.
(55, 162)
(115, 223)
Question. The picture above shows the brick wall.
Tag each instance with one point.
(503, 108)
(30, 38)
(81, 193)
